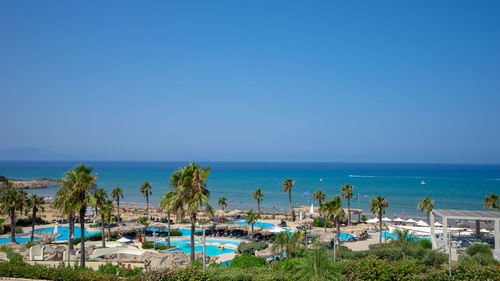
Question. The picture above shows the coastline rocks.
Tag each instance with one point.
(163, 260)
(34, 184)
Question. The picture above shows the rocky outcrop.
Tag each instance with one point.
(163, 260)
(33, 184)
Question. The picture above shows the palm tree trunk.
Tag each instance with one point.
(324, 221)
(71, 220)
(83, 210)
(109, 232)
(428, 220)
(13, 225)
(103, 235)
(193, 222)
(290, 201)
(147, 206)
(349, 211)
(251, 238)
(338, 230)
(258, 205)
(380, 230)
(118, 210)
(168, 217)
(33, 225)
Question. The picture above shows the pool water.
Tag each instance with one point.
(345, 236)
(183, 245)
(259, 224)
(395, 237)
(18, 240)
(64, 232)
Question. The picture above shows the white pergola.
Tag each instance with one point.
(447, 214)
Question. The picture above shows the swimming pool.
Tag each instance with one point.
(259, 224)
(211, 250)
(390, 235)
(18, 240)
(64, 232)
(345, 236)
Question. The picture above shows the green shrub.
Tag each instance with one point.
(147, 245)
(320, 222)
(175, 232)
(247, 260)
(417, 252)
(50, 273)
(184, 221)
(119, 270)
(162, 247)
(434, 258)
(424, 243)
(174, 274)
(388, 254)
(19, 229)
(251, 247)
(478, 248)
(29, 244)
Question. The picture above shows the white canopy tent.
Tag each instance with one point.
(398, 220)
(422, 223)
(411, 221)
(386, 219)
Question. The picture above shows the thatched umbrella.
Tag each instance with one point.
(237, 226)
(221, 226)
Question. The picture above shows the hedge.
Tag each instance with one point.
(251, 247)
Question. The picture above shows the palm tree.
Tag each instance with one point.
(99, 199)
(333, 209)
(287, 187)
(378, 206)
(106, 212)
(281, 241)
(251, 219)
(425, 205)
(491, 202)
(168, 203)
(34, 203)
(11, 201)
(222, 202)
(257, 195)
(144, 221)
(67, 207)
(116, 194)
(146, 191)
(317, 266)
(347, 194)
(190, 184)
(80, 196)
(405, 240)
(319, 196)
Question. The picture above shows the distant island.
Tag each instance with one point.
(30, 184)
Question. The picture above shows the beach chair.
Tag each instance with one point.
(36, 253)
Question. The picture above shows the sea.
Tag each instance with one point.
(457, 186)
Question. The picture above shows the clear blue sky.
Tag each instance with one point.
(382, 81)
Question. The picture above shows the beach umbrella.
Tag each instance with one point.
(374, 220)
(484, 230)
(411, 221)
(221, 226)
(398, 220)
(312, 209)
(56, 229)
(277, 230)
(438, 224)
(386, 219)
(124, 240)
(422, 223)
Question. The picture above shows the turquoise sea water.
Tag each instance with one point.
(451, 186)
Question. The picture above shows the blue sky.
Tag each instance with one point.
(350, 81)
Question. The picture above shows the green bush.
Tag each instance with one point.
(119, 270)
(175, 232)
(388, 254)
(478, 248)
(320, 222)
(29, 244)
(14, 257)
(424, 243)
(174, 274)
(247, 260)
(434, 258)
(50, 273)
(147, 245)
(251, 247)
(417, 252)
(19, 229)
